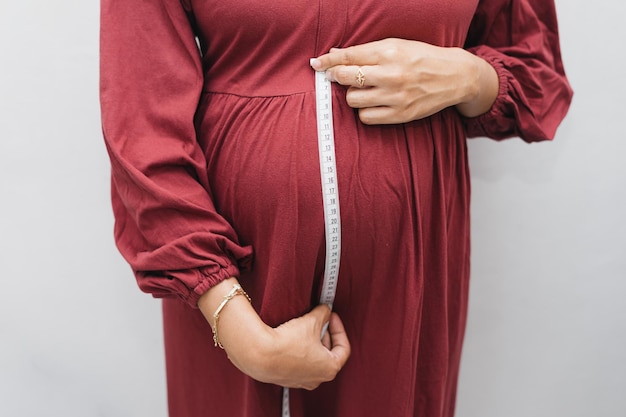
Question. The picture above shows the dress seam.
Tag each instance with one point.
(299, 93)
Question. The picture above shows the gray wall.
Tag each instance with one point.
(547, 324)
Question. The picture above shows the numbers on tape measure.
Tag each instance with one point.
(330, 193)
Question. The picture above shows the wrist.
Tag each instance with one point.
(227, 304)
(472, 76)
(247, 340)
(235, 291)
(481, 86)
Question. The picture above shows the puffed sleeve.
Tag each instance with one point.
(520, 39)
(166, 225)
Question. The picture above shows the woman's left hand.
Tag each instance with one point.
(397, 80)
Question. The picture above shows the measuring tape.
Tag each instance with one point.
(330, 195)
(330, 191)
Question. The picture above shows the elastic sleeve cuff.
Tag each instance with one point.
(495, 123)
(207, 281)
(190, 284)
(531, 103)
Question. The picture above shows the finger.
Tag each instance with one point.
(353, 55)
(354, 76)
(360, 98)
(381, 115)
(340, 344)
(321, 315)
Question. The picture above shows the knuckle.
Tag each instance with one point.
(311, 387)
(348, 56)
(398, 77)
(391, 52)
(328, 376)
(348, 352)
(332, 371)
(343, 75)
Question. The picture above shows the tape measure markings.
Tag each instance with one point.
(330, 196)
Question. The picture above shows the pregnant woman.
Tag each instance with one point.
(209, 117)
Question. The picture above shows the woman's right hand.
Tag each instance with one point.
(291, 355)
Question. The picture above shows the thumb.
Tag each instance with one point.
(321, 315)
(339, 340)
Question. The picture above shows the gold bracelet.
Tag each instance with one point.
(236, 290)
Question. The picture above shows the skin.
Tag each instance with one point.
(290, 355)
(410, 80)
(404, 81)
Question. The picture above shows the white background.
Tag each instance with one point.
(547, 323)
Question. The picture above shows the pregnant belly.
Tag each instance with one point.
(263, 163)
(262, 158)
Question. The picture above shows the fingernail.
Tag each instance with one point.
(329, 76)
(315, 63)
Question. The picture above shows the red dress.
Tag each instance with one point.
(215, 174)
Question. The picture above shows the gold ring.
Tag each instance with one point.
(360, 78)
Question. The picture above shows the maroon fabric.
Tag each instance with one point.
(214, 156)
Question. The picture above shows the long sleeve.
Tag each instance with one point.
(166, 225)
(519, 38)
